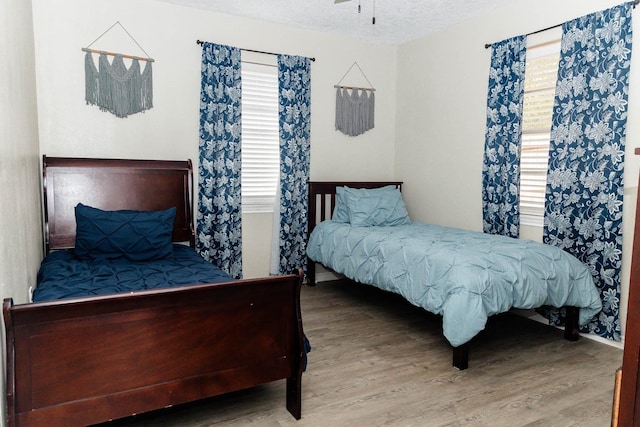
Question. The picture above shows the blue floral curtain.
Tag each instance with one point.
(219, 233)
(501, 164)
(583, 210)
(294, 81)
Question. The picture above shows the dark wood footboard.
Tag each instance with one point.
(83, 361)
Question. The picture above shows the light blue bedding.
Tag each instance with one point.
(465, 276)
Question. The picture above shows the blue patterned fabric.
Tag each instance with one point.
(501, 165)
(294, 81)
(583, 211)
(219, 232)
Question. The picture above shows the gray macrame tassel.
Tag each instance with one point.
(354, 111)
(116, 89)
(91, 80)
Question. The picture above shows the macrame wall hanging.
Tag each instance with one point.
(354, 106)
(113, 87)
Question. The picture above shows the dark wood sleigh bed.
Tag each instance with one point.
(322, 201)
(87, 360)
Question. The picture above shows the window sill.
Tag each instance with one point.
(257, 209)
(532, 221)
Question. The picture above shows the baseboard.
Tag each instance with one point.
(537, 317)
(326, 276)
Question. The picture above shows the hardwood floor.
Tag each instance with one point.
(376, 360)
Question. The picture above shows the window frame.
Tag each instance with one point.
(543, 55)
(260, 134)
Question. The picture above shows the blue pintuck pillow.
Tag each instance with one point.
(135, 235)
(382, 206)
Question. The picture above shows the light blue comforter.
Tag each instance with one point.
(465, 276)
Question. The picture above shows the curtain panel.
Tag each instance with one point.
(501, 163)
(294, 82)
(218, 228)
(583, 206)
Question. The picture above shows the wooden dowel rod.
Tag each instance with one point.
(354, 87)
(84, 49)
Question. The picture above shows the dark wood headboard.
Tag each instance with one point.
(114, 184)
(322, 201)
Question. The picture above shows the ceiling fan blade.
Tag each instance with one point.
(340, 1)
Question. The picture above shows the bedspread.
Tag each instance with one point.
(62, 275)
(465, 276)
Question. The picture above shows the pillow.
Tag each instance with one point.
(135, 235)
(376, 207)
(340, 211)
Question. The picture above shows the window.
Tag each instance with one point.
(260, 137)
(539, 91)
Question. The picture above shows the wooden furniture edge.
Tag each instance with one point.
(629, 406)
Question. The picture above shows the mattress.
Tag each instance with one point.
(465, 276)
(62, 275)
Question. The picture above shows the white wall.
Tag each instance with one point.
(20, 217)
(168, 33)
(20, 224)
(433, 140)
(442, 90)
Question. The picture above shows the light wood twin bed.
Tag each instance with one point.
(86, 360)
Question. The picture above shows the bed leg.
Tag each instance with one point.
(311, 272)
(571, 327)
(294, 396)
(461, 356)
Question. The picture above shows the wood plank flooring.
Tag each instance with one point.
(378, 361)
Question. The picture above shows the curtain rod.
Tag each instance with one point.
(634, 3)
(200, 42)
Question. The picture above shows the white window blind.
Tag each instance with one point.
(539, 91)
(260, 138)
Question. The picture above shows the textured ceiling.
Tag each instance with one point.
(397, 21)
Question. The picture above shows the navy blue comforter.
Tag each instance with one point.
(62, 275)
